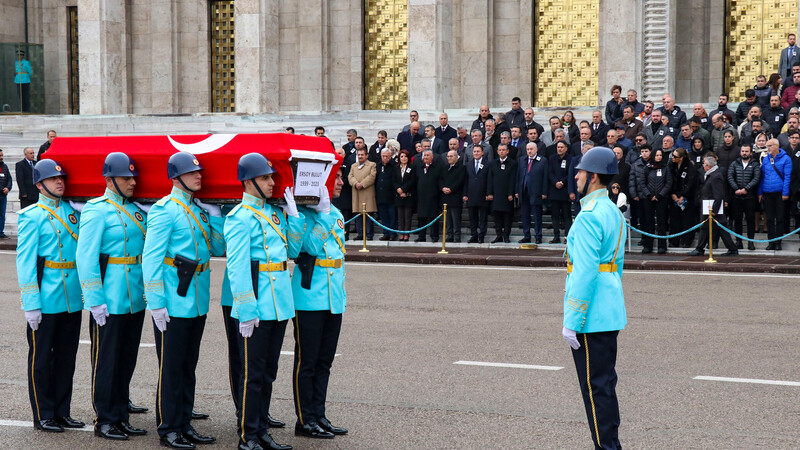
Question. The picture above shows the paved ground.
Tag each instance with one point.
(395, 385)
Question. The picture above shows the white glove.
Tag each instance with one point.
(246, 328)
(213, 210)
(100, 312)
(77, 206)
(290, 207)
(161, 318)
(143, 207)
(324, 205)
(571, 338)
(34, 318)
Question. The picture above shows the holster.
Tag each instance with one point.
(186, 269)
(39, 270)
(305, 263)
(103, 265)
(254, 275)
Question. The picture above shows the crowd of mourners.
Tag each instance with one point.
(670, 162)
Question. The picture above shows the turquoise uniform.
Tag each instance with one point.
(22, 71)
(49, 229)
(177, 226)
(593, 299)
(250, 234)
(324, 239)
(115, 227)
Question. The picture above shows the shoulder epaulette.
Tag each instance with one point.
(27, 209)
(589, 205)
(163, 201)
(235, 209)
(97, 200)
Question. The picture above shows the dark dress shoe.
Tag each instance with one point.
(275, 423)
(696, 252)
(480, 240)
(777, 247)
(266, 441)
(525, 241)
(555, 241)
(538, 241)
(48, 425)
(497, 239)
(770, 246)
(252, 444)
(661, 251)
(133, 409)
(358, 238)
(312, 430)
(326, 425)
(174, 439)
(739, 244)
(647, 250)
(69, 422)
(457, 240)
(384, 238)
(506, 240)
(435, 239)
(733, 252)
(198, 415)
(751, 246)
(473, 240)
(131, 430)
(194, 437)
(110, 431)
(419, 239)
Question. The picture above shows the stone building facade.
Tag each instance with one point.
(255, 56)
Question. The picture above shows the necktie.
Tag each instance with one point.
(476, 166)
(426, 167)
(595, 127)
(530, 161)
(514, 143)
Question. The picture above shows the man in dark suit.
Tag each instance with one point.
(51, 134)
(429, 186)
(513, 151)
(722, 107)
(408, 139)
(452, 191)
(623, 171)
(438, 145)
(500, 191)
(532, 187)
(475, 198)
(384, 194)
(517, 140)
(586, 138)
(713, 188)
(789, 56)
(599, 128)
(561, 136)
(374, 153)
(558, 178)
(530, 123)
(444, 130)
(28, 194)
(515, 117)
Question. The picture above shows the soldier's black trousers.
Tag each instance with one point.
(178, 349)
(234, 362)
(595, 362)
(51, 364)
(115, 347)
(316, 334)
(259, 355)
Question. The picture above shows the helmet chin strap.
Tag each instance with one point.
(260, 192)
(119, 191)
(586, 185)
(180, 180)
(44, 186)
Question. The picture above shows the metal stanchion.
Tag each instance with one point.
(364, 249)
(710, 236)
(444, 229)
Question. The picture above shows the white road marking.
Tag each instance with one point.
(291, 353)
(22, 423)
(509, 365)
(85, 342)
(748, 380)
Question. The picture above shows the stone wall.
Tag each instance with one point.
(13, 14)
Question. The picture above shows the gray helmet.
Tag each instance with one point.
(119, 164)
(47, 168)
(253, 165)
(600, 160)
(181, 163)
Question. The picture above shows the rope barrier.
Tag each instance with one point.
(655, 236)
(353, 218)
(765, 241)
(403, 232)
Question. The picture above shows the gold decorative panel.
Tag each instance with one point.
(566, 52)
(756, 33)
(386, 54)
(72, 42)
(223, 55)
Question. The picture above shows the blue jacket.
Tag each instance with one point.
(770, 167)
(593, 300)
(249, 237)
(118, 233)
(324, 239)
(54, 237)
(174, 230)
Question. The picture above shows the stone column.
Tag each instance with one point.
(164, 61)
(657, 49)
(313, 54)
(257, 44)
(430, 62)
(102, 61)
(619, 38)
(476, 55)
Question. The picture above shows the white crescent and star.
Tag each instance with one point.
(207, 145)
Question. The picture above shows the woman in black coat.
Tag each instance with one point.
(682, 206)
(654, 196)
(405, 183)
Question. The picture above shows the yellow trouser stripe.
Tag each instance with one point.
(244, 389)
(160, 372)
(33, 379)
(589, 385)
(297, 371)
(95, 354)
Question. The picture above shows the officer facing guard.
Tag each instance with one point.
(259, 240)
(594, 305)
(319, 301)
(51, 298)
(110, 269)
(182, 235)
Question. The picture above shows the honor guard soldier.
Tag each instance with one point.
(51, 297)
(594, 305)
(319, 301)
(182, 235)
(259, 241)
(110, 269)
